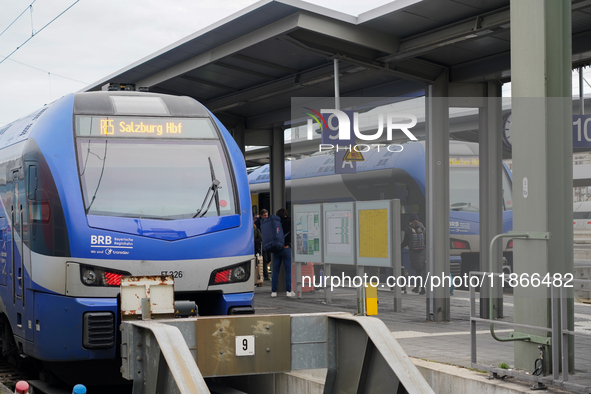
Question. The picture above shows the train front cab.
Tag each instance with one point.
(465, 217)
(68, 233)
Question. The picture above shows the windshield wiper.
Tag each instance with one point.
(212, 193)
(100, 178)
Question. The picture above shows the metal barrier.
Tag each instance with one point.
(558, 333)
(565, 332)
(175, 355)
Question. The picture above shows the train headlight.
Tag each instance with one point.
(89, 277)
(233, 274)
(239, 273)
(98, 276)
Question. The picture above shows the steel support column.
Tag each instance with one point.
(437, 177)
(277, 169)
(581, 92)
(238, 132)
(337, 88)
(277, 183)
(542, 159)
(491, 188)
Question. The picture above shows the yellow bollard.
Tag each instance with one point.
(371, 299)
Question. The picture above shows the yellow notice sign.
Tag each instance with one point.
(373, 233)
(353, 155)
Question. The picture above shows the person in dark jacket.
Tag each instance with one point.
(283, 256)
(259, 218)
(266, 255)
(258, 249)
(258, 241)
(417, 252)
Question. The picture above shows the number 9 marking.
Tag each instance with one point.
(245, 345)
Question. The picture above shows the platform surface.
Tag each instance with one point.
(447, 342)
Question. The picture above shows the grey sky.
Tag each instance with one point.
(96, 38)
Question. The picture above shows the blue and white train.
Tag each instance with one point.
(100, 185)
(582, 216)
(386, 174)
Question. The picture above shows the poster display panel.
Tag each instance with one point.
(339, 233)
(374, 230)
(307, 229)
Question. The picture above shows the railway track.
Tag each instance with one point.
(10, 375)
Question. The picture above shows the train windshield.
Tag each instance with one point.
(154, 178)
(464, 189)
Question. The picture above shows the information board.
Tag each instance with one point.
(307, 227)
(374, 243)
(339, 233)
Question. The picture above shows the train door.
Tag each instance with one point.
(265, 202)
(18, 271)
(4, 248)
(254, 198)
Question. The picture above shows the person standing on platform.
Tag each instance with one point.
(258, 251)
(414, 238)
(259, 218)
(258, 241)
(279, 224)
(266, 255)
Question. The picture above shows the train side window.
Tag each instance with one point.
(401, 191)
(507, 193)
(32, 182)
(15, 200)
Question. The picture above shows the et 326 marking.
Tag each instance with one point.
(174, 274)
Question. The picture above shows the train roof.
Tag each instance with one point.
(137, 103)
(106, 103)
(411, 159)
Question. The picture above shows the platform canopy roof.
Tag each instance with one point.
(247, 67)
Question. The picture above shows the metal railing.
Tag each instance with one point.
(559, 334)
(565, 332)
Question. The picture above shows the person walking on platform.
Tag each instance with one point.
(258, 251)
(276, 238)
(414, 238)
(266, 255)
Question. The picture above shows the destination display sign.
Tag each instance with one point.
(456, 161)
(144, 127)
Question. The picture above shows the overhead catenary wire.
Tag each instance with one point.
(40, 30)
(17, 18)
(45, 71)
(32, 28)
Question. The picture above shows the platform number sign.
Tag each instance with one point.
(245, 345)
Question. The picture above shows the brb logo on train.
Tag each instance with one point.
(341, 128)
